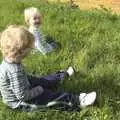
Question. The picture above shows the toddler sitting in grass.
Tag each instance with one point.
(33, 18)
(21, 91)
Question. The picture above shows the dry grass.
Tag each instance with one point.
(114, 5)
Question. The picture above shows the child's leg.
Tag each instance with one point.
(56, 100)
(47, 81)
(64, 101)
(50, 80)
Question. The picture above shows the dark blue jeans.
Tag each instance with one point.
(47, 81)
(47, 96)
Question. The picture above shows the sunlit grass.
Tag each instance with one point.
(90, 42)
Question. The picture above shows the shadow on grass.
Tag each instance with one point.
(107, 89)
(51, 40)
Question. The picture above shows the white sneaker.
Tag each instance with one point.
(70, 71)
(87, 99)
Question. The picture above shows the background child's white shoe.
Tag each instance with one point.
(70, 71)
(87, 99)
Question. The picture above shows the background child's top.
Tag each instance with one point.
(40, 43)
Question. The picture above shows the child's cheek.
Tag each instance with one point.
(40, 21)
(32, 22)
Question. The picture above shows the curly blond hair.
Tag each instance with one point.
(30, 12)
(15, 40)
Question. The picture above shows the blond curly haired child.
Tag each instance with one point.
(21, 91)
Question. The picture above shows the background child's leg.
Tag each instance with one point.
(47, 81)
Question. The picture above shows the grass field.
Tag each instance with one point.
(90, 43)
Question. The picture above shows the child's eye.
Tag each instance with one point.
(36, 18)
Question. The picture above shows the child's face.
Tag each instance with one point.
(23, 55)
(35, 20)
(25, 52)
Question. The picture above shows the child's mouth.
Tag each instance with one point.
(37, 23)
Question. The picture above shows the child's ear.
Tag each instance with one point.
(27, 21)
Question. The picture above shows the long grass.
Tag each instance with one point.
(90, 42)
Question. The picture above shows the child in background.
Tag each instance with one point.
(33, 18)
(20, 91)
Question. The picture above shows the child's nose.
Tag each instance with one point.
(37, 20)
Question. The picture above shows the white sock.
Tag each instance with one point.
(70, 71)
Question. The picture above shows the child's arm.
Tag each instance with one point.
(21, 87)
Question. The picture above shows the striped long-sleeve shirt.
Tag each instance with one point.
(14, 85)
